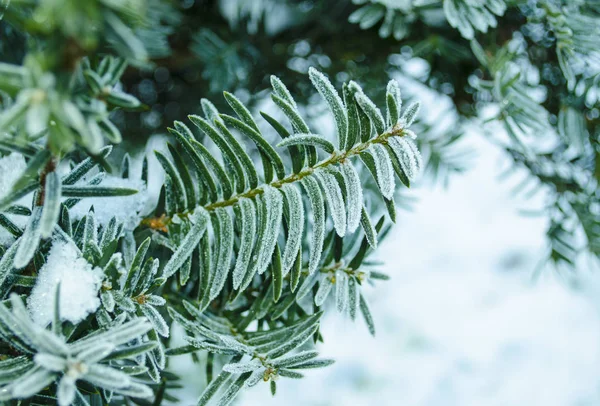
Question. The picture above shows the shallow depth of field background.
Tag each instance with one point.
(471, 316)
(462, 322)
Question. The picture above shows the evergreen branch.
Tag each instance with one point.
(336, 157)
(332, 182)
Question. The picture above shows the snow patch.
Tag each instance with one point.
(79, 285)
(127, 209)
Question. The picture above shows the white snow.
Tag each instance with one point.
(462, 322)
(11, 167)
(127, 209)
(79, 285)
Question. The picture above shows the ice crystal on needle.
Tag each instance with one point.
(11, 167)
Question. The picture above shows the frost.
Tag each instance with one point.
(354, 196)
(223, 227)
(370, 232)
(11, 168)
(341, 290)
(273, 201)
(384, 170)
(234, 344)
(30, 239)
(331, 96)
(127, 209)
(187, 245)
(291, 112)
(255, 377)
(409, 134)
(108, 300)
(325, 286)
(242, 367)
(248, 234)
(51, 210)
(366, 312)
(261, 214)
(394, 102)
(79, 285)
(308, 140)
(295, 359)
(352, 298)
(416, 155)
(282, 91)
(295, 226)
(371, 111)
(354, 87)
(410, 114)
(210, 111)
(394, 89)
(335, 200)
(318, 232)
(158, 322)
(405, 152)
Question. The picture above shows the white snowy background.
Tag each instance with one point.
(465, 319)
(462, 321)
